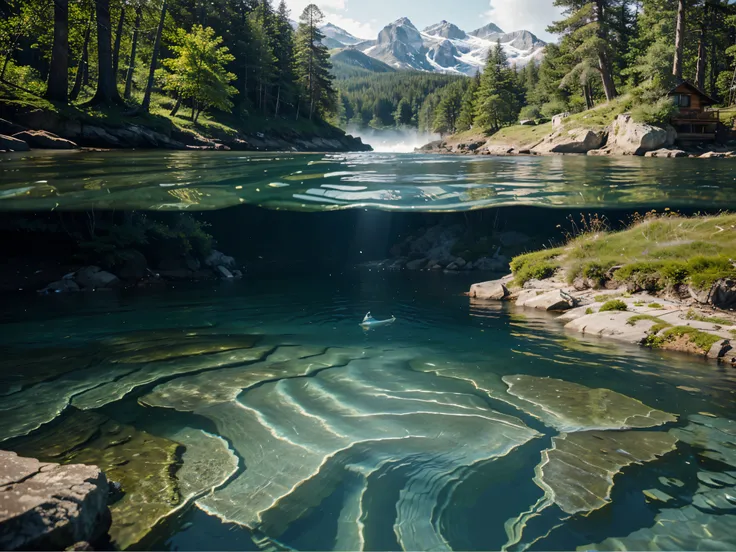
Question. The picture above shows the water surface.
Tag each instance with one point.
(164, 180)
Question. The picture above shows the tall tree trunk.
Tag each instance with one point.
(82, 65)
(679, 39)
(133, 50)
(604, 64)
(58, 85)
(116, 47)
(154, 59)
(107, 91)
(177, 105)
(713, 53)
(700, 66)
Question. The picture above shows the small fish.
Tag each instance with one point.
(370, 323)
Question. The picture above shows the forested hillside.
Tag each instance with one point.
(179, 58)
(394, 99)
(608, 48)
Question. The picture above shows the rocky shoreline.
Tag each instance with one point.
(692, 321)
(23, 130)
(624, 137)
(47, 506)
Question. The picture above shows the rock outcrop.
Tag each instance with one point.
(45, 506)
(671, 324)
(93, 277)
(577, 140)
(627, 137)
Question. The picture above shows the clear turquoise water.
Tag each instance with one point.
(160, 180)
(372, 449)
(257, 414)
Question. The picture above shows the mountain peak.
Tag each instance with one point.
(486, 31)
(338, 34)
(445, 29)
(403, 22)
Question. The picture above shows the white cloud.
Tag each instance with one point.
(336, 13)
(358, 29)
(297, 6)
(532, 15)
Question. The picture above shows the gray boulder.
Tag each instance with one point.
(93, 277)
(577, 140)
(224, 272)
(493, 264)
(61, 286)
(494, 290)
(667, 153)
(627, 137)
(9, 143)
(559, 119)
(722, 294)
(217, 258)
(47, 506)
(556, 300)
(133, 266)
(416, 264)
(44, 140)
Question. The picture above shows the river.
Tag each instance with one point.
(257, 414)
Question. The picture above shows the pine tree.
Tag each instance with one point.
(107, 90)
(495, 102)
(263, 59)
(467, 110)
(589, 24)
(448, 111)
(284, 53)
(313, 64)
(404, 113)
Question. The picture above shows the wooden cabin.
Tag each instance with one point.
(695, 120)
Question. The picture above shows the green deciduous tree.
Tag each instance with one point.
(198, 73)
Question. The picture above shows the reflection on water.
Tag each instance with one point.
(239, 416)
(210, 180)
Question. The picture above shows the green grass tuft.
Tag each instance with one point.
(614, 305)
(655, 306)
(589, 311)
(538, 265)
(692, 315)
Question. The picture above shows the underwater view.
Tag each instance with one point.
(267, 411)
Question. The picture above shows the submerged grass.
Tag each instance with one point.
(653, 254)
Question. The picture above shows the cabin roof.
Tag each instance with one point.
(694, 89)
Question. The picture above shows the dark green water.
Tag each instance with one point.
(257, 414)
(313, 182)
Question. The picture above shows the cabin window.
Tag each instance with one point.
(682, 100)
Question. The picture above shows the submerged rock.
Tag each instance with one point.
(93, 277)
(46, 506)
(304, 439)
(577, 472)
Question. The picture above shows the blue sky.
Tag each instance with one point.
(365, 18)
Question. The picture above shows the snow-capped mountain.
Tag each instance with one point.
(446, 48)
(339, 35)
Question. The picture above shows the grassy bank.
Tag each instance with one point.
(210, 125)
(654, 253)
